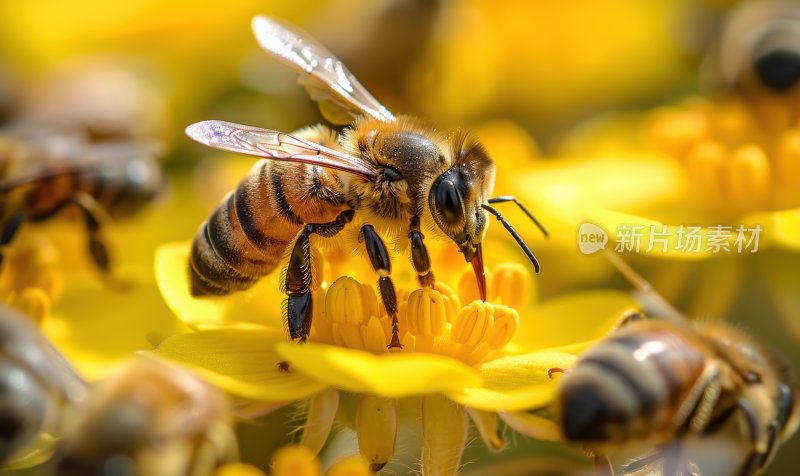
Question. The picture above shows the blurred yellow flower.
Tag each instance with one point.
(706, 180)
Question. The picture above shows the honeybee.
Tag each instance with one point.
(47, 168)
(663, 382)
(37, 385)
(758, 49)
(150, 418)
(394, 174)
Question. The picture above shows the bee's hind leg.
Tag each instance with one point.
(297, 279)
(382, 264)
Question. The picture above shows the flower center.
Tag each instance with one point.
(740, 156)
(432, 320)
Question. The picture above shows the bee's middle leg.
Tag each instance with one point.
(95, 216)
(382, 264)
(419, 255)
(297, 280)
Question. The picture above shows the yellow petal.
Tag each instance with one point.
(571, 321)
(392, 375)
(97, 328)
(783, 228)
(519, 382)
(242, 362)
(615, 193)
(261, 304)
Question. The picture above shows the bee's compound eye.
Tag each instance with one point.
(448, 201)
(23, 406)
(779, 70)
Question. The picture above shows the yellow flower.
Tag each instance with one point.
(484, 357)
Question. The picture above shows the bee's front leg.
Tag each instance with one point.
(379, 257)
(297, 280)
(419, 255)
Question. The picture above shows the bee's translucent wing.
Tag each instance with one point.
(340, 96)
(276, 145)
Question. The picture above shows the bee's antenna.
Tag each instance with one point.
(653, 301)
(516, 236)
(509, 198)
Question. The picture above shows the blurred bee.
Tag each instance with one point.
(759, 49)
(664, 382)
(150, 418)
(37, 385)
(47, 168)
(394, 174)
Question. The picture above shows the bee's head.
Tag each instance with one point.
(133, 171)
(456, 198)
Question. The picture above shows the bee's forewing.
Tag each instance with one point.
(333, 86)
(275, 145)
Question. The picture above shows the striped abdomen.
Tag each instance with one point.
(245, 238)
(630, 385)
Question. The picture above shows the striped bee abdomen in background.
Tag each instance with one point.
(630, 385)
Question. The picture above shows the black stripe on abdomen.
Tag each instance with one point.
(281, 204)
(246, 216)
(209, 273)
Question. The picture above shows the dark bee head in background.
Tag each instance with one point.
(758, 50)
(129, 173)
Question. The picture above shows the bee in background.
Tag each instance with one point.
(37, 386)
(47, 168)
(393, 174)
(150, 418)
(664, 382)
(758, 50)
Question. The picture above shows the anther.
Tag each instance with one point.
(373, 336)
(511, 284)
(452, 303)
(705, 163)
(473, 324)
(426, 313)
(787, 157)
(749, 174)
(504, 327)
(674, 130)
(345, 303)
